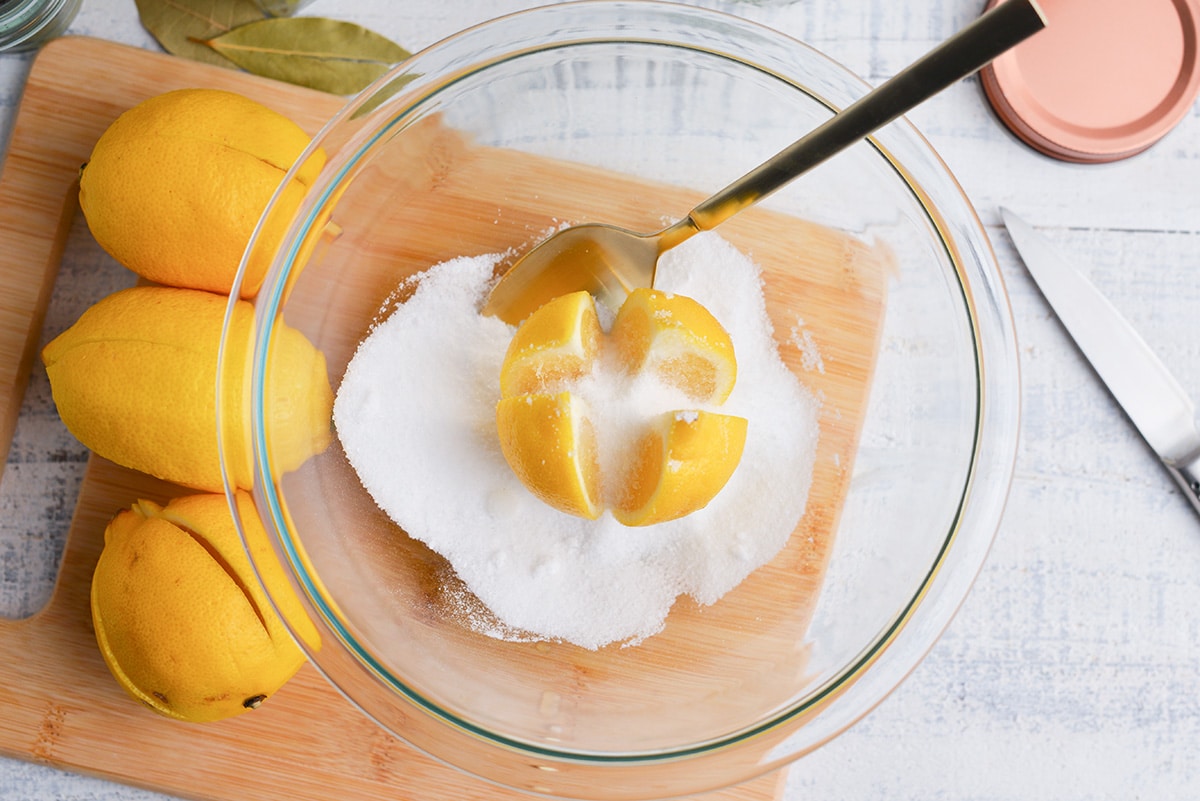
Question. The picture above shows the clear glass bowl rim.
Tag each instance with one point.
(917, 626)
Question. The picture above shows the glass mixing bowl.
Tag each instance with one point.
(886, 303)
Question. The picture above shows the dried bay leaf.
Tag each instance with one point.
(183, 26)
(325, 54)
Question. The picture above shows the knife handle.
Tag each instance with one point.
(1187, 475)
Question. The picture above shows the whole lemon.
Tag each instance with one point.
(175, 186)
(135, 380)
(181, 620)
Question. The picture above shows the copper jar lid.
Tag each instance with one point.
(1105, 80)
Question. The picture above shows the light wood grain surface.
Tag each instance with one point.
(1072, 670)
(63, 715)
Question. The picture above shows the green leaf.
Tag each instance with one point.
(182, 26)
(330, 55)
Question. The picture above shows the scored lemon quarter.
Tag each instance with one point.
(548, 440)
(680, 464)
(558, 342)
(678, 339)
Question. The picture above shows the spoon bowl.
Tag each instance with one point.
(606, 260)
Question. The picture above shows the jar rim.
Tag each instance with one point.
(25, 24)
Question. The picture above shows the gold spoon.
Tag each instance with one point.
(609, 261)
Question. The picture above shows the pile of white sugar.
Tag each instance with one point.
(416, 416)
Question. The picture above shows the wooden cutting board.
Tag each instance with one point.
(58, 704)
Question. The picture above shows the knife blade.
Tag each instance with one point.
(1151, 397)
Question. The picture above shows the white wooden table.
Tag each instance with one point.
(1073, 669)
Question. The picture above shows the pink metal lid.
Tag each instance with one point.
(1105, 80)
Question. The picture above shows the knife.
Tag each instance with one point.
(1146, 390)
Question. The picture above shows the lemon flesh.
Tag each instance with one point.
(559, 342)
(550, 444)
(678, 339)
(681, 464)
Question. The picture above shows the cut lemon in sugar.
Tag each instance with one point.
(680, 464)
(678, 339)
(558, 342)
(550, 444)
(681, 459)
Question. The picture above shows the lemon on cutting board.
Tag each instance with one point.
(180, 617)
(175, 186)
(135, 380)
(680, 460)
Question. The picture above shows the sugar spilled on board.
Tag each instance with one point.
(415, 414)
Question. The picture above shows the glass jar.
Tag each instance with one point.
(282, 8)
(27, 24)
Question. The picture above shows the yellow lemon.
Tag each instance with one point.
(175, 186)
(558, 342)
(550, 444)
(181, 619)
(135, 380)
(681, 461)
(678, 339)
(681, 464)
